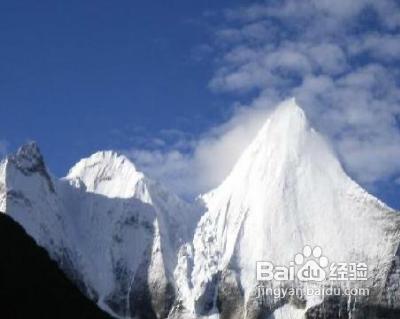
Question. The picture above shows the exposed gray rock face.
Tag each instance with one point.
(29, 161)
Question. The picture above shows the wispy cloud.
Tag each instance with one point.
(194, 165)
(339, 58)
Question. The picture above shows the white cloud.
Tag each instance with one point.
(329, 57)
(385, 47)
(211, 157)
(342, 70)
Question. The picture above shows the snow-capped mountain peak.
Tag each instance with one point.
(29, 195)
(28, 161)
(284, 140)
(287, 190)
(108, 173)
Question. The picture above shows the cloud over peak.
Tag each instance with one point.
(340, 59)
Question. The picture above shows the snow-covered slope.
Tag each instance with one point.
(115, 232)
(29, 195)
(286, 191)
(129, 227)
(141, 252)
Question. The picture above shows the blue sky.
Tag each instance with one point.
(182, 86)
(78, 76)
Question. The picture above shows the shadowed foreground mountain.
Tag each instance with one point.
(31, 285)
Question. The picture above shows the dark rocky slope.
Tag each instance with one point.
(31, 285)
